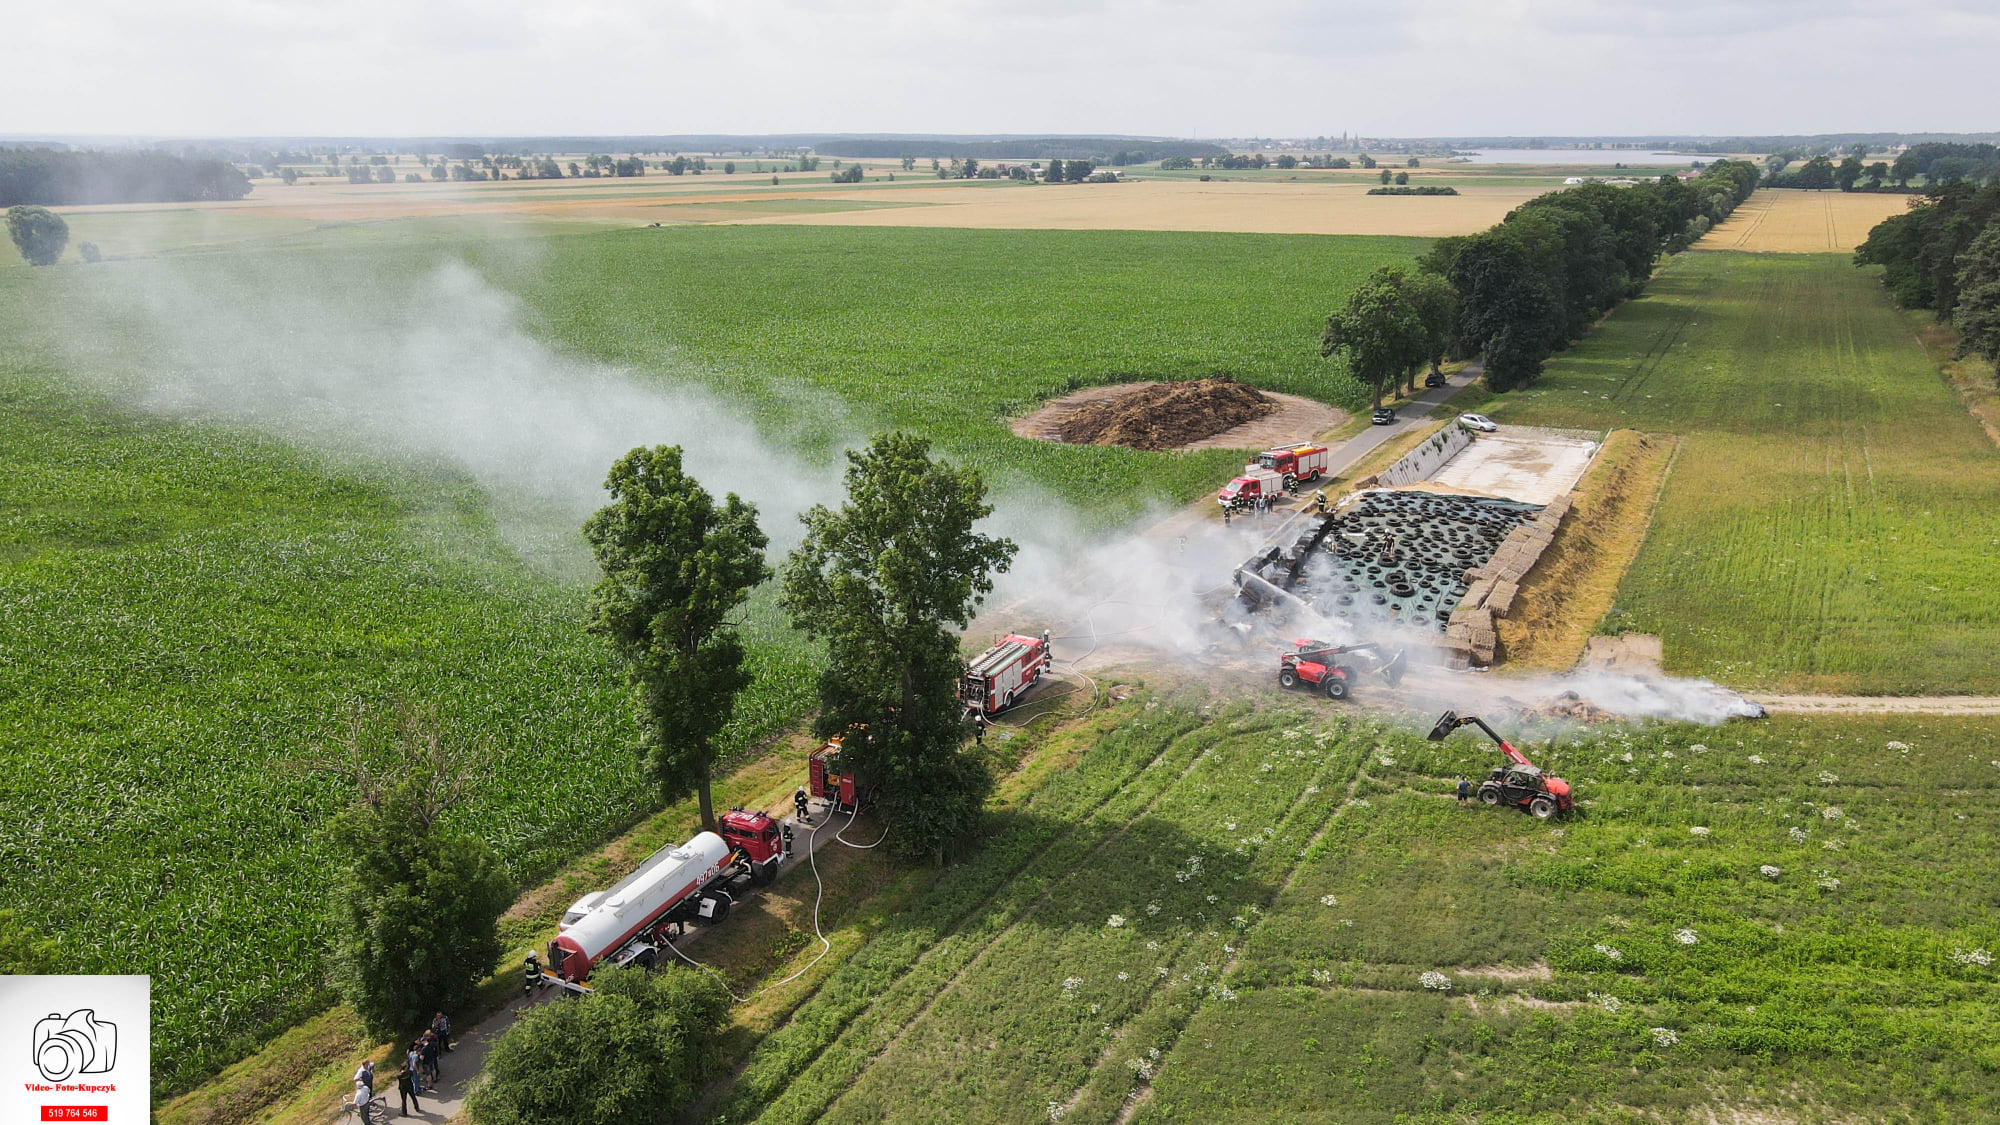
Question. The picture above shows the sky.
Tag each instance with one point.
(1245, 68)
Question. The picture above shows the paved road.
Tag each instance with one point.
(1408, 417)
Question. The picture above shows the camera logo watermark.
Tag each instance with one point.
(76, 1048)
(78, 1043)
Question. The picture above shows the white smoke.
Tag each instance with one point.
(436, 368)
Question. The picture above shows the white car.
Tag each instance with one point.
(1478, 422)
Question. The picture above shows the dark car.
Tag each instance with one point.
(1384, 415)
(1434, 379)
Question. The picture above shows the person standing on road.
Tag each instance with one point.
(801, 806)
(428, 1056)
(364, 1090)
(412, 1060)
(442, 1025)
(406, 1086)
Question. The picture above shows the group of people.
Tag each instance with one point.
(1248, 505)
(417, 1077)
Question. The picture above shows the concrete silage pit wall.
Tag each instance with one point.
(1390, 558)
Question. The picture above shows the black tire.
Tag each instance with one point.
(1334, 686)
(722, 904)
(1542, 807)
(1288, 679)
(1489, 794)
(764, 874)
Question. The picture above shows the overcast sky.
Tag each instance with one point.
(1163, 67)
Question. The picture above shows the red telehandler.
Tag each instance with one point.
(1519, 783)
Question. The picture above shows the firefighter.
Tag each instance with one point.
(787, 830)
(979, 728)
(802, 806)
(532, 970)
(1319, 500)
(1225, 514)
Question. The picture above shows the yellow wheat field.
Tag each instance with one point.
(1806, 222)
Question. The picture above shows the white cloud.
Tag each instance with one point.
(1277, 67)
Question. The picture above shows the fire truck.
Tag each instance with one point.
(1294, 464)
(832, 779)
(1003, 674)
(1255, 483)
(696, 881)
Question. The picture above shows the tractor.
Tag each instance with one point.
(1318, 664)
(1520, 782)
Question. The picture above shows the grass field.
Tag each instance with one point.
(1832, 516)
(1805, 222)
(1227, 913)
(186, 607)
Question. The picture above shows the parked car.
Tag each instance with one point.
(1384, 415)
(1479, 422)
(1434, 379)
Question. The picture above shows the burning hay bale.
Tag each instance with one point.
(1571, 707)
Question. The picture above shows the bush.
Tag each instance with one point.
(39, 233)
(89, 251)
(634, 1050)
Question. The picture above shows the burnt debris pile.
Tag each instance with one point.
(1387, 557)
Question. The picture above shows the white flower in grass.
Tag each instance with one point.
(1826, 881)
(1979, 957)
(1116, 921)
(1070, 985)
(1831, 812)
(1161, 970)
(1607, 1001)
(1666, 753)
(1435, 981)
(1698, 830)
(1609, 952)
(1230, 827)
(1665, 1036)
(1756, 759)
(1348, 922)
(1625, 757)
(1311, 789)
(1686, 937)
(1828, 777)
(1770, 871)
(1902, 746)
(1056, 1111)
(1830, 846)
(1152, 908)
(1322, 976)
(1798, 834)
(1212, 898)
(1699, 748)
(1557, 833)
(1328, 900)
(1124, 976)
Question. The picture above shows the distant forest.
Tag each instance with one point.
(52, 178)
(1099, 149)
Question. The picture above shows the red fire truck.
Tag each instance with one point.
(1003, 673)
(1295, 464)
(830, 779)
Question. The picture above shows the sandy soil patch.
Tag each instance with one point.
(1264, 208)
(1784, 221)
(1518, 464)
(1296, 419)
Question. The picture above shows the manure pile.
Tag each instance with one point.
(1168, 415)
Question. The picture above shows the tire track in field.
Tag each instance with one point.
(1001, 884)
(1021, 917)
(1131, 1103)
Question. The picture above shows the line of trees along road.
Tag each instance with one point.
(1944, 254)
(1540, 278)
(56, 179)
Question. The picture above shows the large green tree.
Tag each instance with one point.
(888, 582)
(1380, 330)
(38, 233)
(1977, 317)
(633, 1052)
(416, 911)
(1436, 304)
(676, 565)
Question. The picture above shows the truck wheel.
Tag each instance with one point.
(1288, 679)
(721, 911)
(1336, 686)
(1489, 794)
(1542, 807)
(765, 873)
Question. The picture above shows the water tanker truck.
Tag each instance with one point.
(696, 881)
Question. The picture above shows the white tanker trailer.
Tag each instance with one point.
(626, 923)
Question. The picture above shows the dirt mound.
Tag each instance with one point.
(1167, 415)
